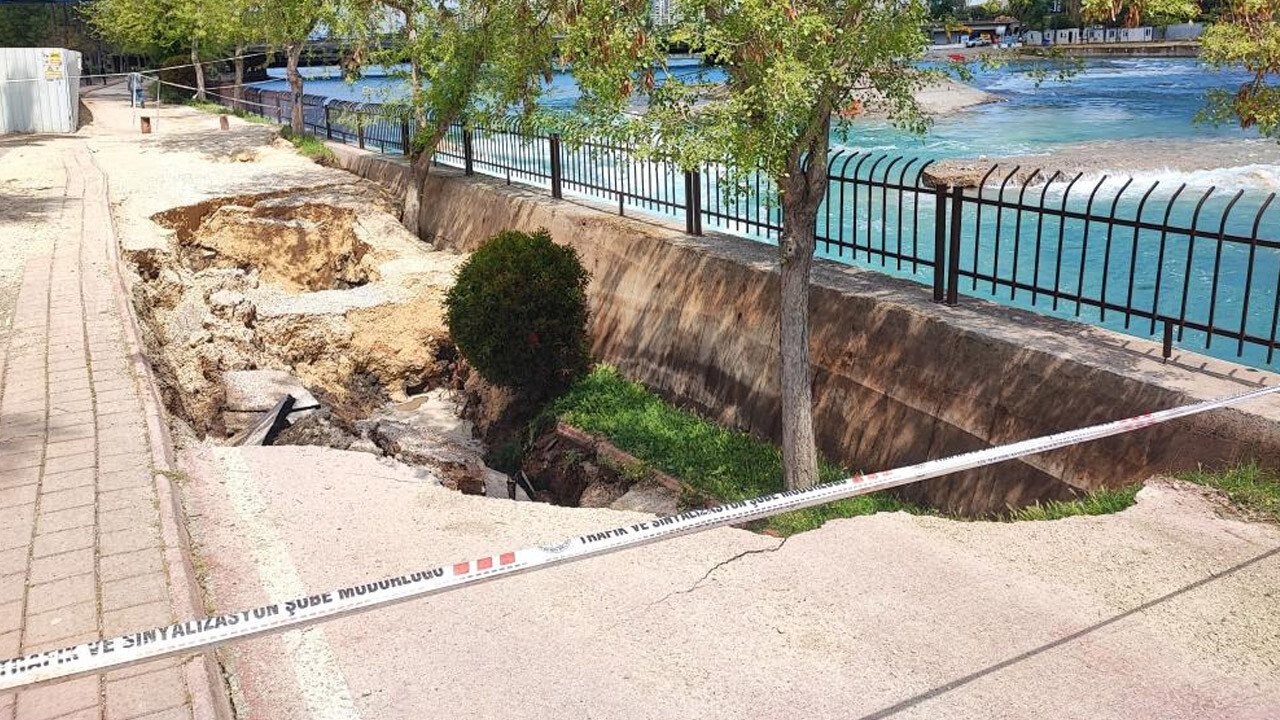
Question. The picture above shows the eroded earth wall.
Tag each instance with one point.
(897, 378)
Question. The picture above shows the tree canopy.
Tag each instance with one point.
(1132, 13)
(467, 61)
(791, 68)
(164, 26)
(794, 70)
(1248, 36)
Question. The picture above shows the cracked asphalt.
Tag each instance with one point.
(1167, 610)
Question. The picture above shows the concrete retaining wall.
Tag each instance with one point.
(897, 378)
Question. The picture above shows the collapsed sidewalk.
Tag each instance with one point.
(1165, 610)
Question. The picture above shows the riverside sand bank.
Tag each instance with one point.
(940, 97)
(1250, 164)
(1163, 611)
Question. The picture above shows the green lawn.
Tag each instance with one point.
(1098, 502)
(722, 465)
(180, 96)
(715, 463)
(313, 148)
(1252, 488)
(217, 109)
(309, 146)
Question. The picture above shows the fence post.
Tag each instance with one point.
(692, 203)
(953, 254)
(557, 189)
(939, 243)
(466, 152)
(328, 124)
(1167, 346)
(404, 137)
(360, 130)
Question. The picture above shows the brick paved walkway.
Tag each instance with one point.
(81, 543)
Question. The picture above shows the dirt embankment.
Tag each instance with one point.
(261, 275)
(324, 285)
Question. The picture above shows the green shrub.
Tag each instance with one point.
(518, 312)
(311, 147)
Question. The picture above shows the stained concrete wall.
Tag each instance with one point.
(897, 378)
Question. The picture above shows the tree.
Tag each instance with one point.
(953, 26)
(1032, 13)
(475, 59)
(1136, 12)
(157, 26)
(1247, 35)
(244, 20)
(26, 25)
(135, 26)
(984, 11)
(942, 9)
(365, 24)
(288, 24)
(795, 70)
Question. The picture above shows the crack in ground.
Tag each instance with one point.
(706, 575)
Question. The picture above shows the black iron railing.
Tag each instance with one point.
(1195, 267)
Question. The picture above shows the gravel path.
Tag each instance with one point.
(32, 180)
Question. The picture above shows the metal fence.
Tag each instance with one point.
(1187, 266)
(1193, 267)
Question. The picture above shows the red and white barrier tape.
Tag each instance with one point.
(194, 635)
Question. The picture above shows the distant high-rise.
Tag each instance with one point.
(662, 12)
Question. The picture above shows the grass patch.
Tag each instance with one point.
(216, 109)
(1098, 502)
(313, 148)
(714, 463)
(1252, 488)
(178, 96)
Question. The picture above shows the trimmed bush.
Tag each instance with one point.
(518, 312)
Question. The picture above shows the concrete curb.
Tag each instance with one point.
(209, 697)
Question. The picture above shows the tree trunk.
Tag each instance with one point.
(195, 61)
(418, 178)
(295, 88)
(237, 93)
(801, 192)
(415, 73)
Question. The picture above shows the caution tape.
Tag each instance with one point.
(194, 635)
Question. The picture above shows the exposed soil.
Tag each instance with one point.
(577, 469)
(496, 413)
(297, 282)
(300, 248)
(329, 289)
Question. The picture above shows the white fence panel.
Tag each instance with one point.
(39, 90)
